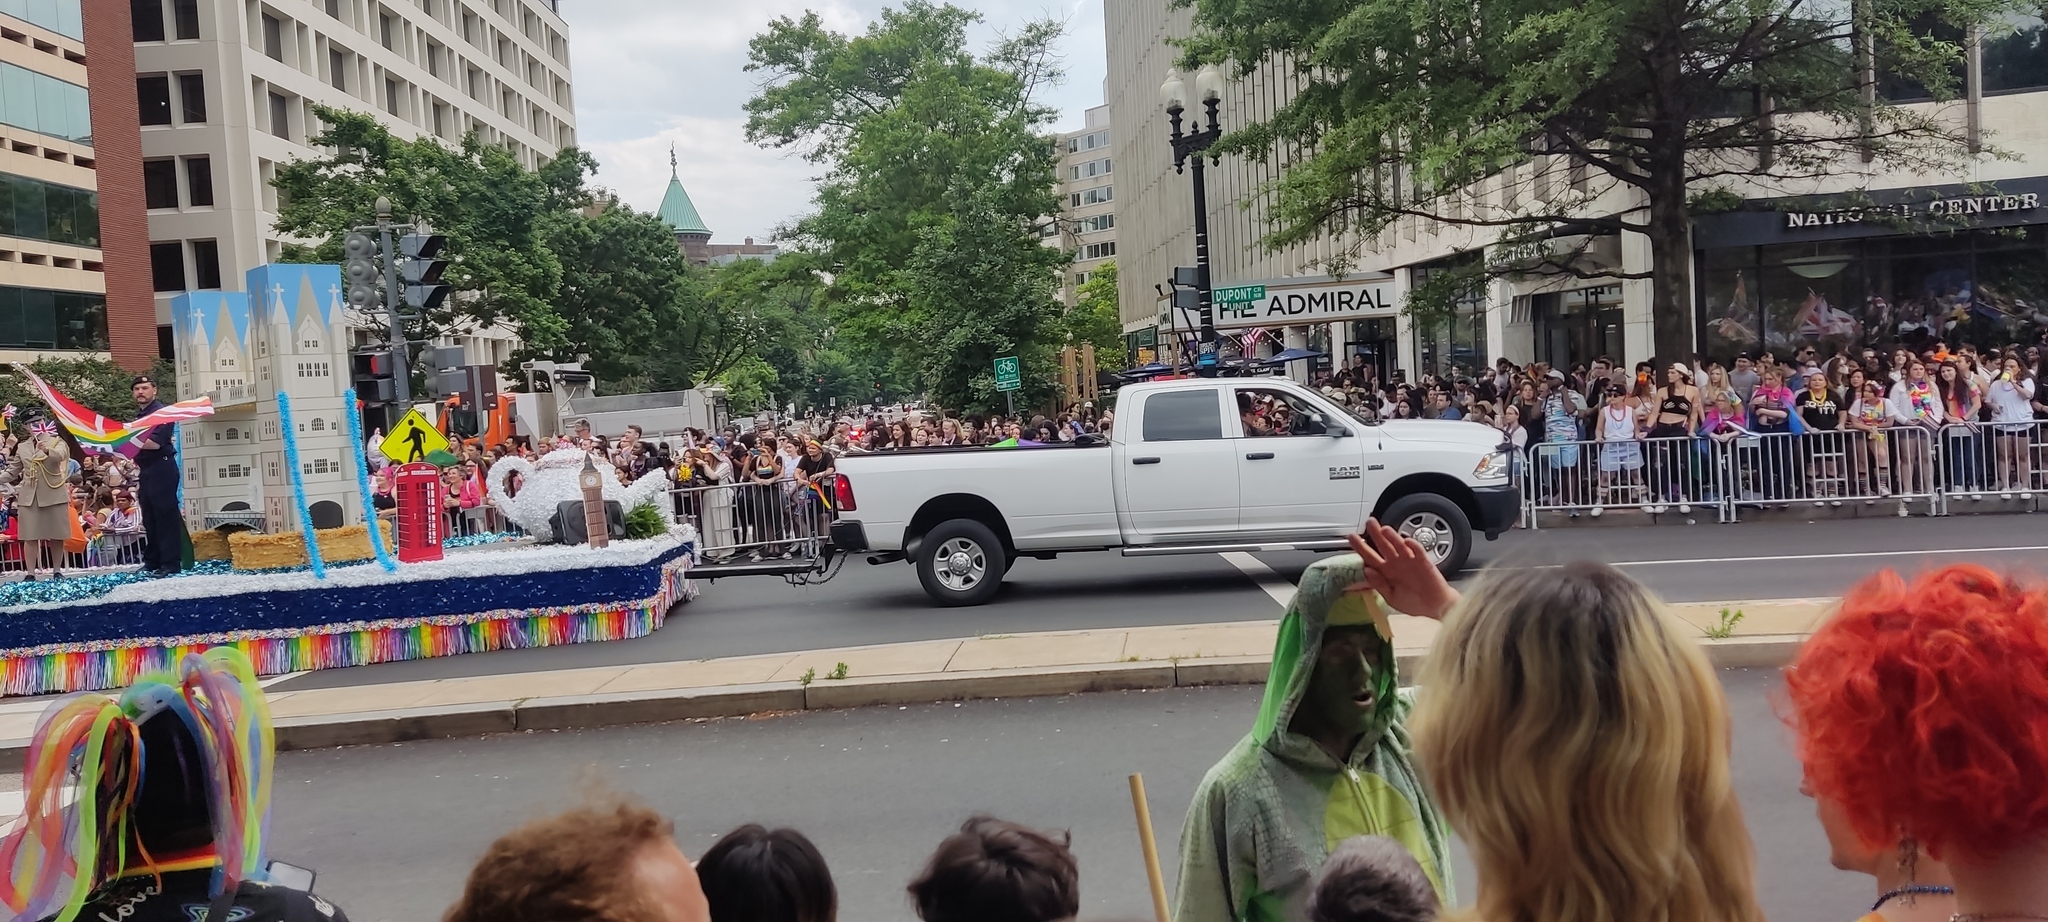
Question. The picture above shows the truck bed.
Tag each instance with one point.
(1054, 497)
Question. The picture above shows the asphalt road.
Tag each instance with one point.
(882, 604)
(392, 830)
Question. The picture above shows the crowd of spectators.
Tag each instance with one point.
(1861, 425)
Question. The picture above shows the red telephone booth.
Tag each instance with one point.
(419, 512)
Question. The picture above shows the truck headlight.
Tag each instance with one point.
(1492, 467)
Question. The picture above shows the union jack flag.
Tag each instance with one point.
(41, 428)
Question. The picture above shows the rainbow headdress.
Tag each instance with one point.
(87, 779)
(98, 433)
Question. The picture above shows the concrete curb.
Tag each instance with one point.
(581, 712)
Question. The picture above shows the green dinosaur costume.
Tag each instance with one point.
(1267, 815)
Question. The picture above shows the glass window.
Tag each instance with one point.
(31, 210)
(273, 38)
(1264, 412)
(1899, 87)
(39, 318)
(186, 14)
(280, 117)
(147, 20)
(337, 69)
(199, 180)
(160, 183)
(10, 316)
(2016, 54)
(62, 208)
(59, 16)
(167, 266)
(81, 320)
(1458, 346)
(153, 99)
(206, 265)
(192, 97)
(7, 186)
(1181, 416)
(88, 203)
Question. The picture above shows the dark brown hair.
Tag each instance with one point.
(1372, 879)
(996, 871)
(755, 874)
(573, 867)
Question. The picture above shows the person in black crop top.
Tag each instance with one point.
(1672, 425)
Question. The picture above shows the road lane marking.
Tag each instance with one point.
(1275, 585)
(1845, 555)
(273, 680)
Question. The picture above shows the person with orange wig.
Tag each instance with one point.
(1921, 710)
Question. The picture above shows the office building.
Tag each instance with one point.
(227, 91)
(69, 198)
(1088, 194)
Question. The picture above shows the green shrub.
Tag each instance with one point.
(646, 521)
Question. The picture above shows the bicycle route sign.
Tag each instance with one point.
(1009, 374)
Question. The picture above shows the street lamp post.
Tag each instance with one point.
(1190, 145)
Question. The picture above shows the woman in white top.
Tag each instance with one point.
(1916, 414)
(2011, 396)
(721, 529)
(1618, 429)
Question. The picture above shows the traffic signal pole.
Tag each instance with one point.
(401, 384)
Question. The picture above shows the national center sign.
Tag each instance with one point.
(1355, 298)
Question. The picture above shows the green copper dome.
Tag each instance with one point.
(676, 210)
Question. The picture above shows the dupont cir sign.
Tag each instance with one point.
(1351, 299)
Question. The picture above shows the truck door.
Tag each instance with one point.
(1294, 476)
(1177, 475)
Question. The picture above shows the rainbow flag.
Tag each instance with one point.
(98, 433)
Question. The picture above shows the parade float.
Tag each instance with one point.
(275, 486)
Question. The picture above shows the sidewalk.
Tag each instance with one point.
(993, 666)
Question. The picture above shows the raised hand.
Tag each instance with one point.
(1399, 570)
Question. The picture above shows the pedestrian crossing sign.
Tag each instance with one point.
(413, 439)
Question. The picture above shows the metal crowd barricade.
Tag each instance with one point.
(1673, 474)
(106, 552)
(746, 522)
(1831, 468)
(1995, 460)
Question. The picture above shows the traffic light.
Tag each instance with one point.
(372, 372)
(442, 366)
(362, 272)
(421, 271)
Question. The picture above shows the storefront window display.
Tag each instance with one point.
(1373, 347)
(1987, 288)
(1456, 347)
(1578, 325)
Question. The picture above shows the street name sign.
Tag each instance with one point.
(1242, 294)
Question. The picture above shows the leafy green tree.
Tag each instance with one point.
(1530, 119)
(1095, 318)
(927, 147)
(622, 288)
(494, 212)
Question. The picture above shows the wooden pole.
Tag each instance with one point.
(1151, 847)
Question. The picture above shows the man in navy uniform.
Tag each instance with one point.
(157, 491)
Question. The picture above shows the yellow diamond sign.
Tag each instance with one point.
(413, 439)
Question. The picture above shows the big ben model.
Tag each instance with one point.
(595, 524)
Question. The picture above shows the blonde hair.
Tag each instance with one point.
(1577, 738)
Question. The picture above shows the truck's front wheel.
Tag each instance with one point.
(961, 562)
(1438, 525)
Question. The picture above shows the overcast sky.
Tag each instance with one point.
(653, 73)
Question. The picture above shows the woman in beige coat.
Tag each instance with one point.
(42, 498)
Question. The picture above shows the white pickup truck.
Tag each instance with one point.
(1186, 471)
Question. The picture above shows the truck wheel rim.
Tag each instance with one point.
(960, 564)
(1432, 532)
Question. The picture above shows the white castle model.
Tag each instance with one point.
(296, 341)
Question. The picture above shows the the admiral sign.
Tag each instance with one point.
(1355, 298)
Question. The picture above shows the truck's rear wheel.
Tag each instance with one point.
(1438, 525)
(961, 562)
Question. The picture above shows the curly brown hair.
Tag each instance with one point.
(572, 867)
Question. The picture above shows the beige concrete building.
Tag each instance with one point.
(227, 95)
(1087, 225)
(1772, 276)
